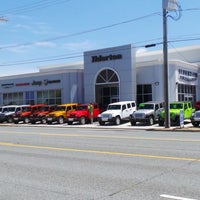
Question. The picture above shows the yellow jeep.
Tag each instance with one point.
(60, 113)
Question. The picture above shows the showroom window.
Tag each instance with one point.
(144, 93)
(49, 97)
(13, 98)
(29, 98)
(186, 92)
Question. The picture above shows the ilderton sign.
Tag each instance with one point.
(101, 58)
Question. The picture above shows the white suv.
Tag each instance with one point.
(116, 112)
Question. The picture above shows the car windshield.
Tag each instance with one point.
(146, 106)
(44, 108)
(60, 108)
(176, 106)
(82, 107)
(26, 109)
(9, 109)
(114, 107)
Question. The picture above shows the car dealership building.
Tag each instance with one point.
(108, 75)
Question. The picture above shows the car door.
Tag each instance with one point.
(125, 111)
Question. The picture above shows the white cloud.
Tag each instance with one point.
(45, 44)
(141, 51)
(79, 46)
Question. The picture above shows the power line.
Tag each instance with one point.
(79, 54)
(32, 6)
(82, 32)
(89, 30)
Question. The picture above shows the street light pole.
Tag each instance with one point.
(166, 70)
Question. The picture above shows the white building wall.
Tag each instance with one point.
(124, 67)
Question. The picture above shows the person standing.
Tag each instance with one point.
(90, 108)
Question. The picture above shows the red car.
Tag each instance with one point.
(85, 113)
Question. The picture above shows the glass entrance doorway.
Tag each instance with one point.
(107, 87)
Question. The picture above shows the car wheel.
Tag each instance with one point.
(26, 120)
(161, 123)
(60, 120)
(133, 122)
(101, 123)
(10, 120)
(151, 121)
(117, 120)
(196, 124)
(44, 121)
(82, 121)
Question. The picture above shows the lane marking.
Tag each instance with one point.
(174, 197)
(98, 152)
(103, 136)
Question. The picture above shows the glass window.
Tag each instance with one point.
(144, 93)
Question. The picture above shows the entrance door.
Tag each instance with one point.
(107, 87)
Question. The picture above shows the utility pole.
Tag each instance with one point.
(168, 5)
(166, 70)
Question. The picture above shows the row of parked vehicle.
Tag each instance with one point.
(147, 113)
(49, 114)
(151, 112)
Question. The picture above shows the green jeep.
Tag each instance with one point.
(174, 111)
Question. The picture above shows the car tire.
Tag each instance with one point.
(151, 121)
(82, 121)
(117, 120)
(133, 122)
(195, 124)
(26, 120)
(60, 120)
(44, 121)
(161, 123)
(101, 123)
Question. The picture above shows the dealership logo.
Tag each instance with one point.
(45, 82)
(186, 75)
(110, 57)
(7, 85)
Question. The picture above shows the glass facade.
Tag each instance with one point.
(144, 93)
(49, 97)
(15, 98)
(186, 92)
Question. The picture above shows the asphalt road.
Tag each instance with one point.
(62, 163)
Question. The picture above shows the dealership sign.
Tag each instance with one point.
(110, 57)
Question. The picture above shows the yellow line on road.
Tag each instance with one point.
(103, 136)
(98, 152)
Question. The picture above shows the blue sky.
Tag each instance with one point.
(59, 31)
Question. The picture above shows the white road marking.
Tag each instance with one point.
(174, 197)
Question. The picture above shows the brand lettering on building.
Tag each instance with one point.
(44, 82)
(186, 75)
(22, 84)
(110, 57)
(7, 85)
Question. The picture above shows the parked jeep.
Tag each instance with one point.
(82, 114)
(60, 113)
(117, 112)
(40, 115)
(195, 118)
(24, 114)
(175, 108)
(147, 113)
(7, 112)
